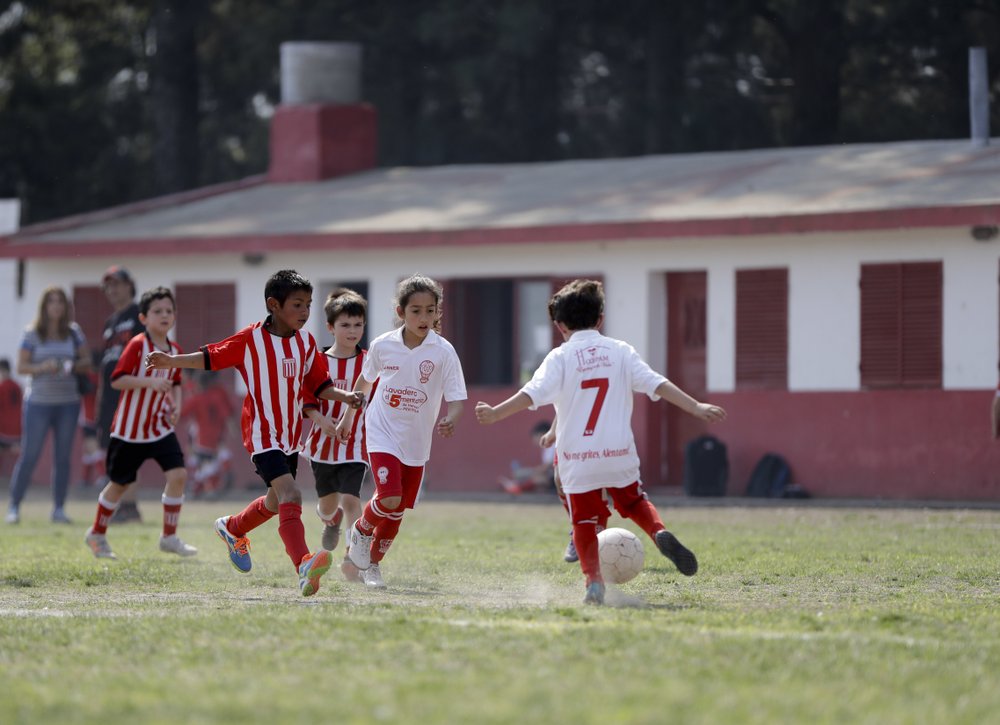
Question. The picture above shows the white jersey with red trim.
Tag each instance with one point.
(277, 372)
(590, 379)
(143, 415)
(318, 446)
(403, 412)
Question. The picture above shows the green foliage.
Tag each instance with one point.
(796, 615)
(82, 124)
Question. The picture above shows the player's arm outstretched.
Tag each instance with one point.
(704, 411)
(488, 414)
(160, 360)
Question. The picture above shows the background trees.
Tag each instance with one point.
(107, 101)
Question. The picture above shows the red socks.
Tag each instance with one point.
(171, 514)
(292, 532)
(105, 509)
(585, 539)
(383, 525)
(255, 514)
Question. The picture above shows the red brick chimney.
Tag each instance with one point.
(321, 129)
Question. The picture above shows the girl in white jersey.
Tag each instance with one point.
(590, 380)
(416, 368)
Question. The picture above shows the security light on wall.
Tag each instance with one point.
(984, 232)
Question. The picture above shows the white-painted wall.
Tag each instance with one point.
(10, 305)
(824, 299)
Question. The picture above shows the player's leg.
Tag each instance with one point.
(388, 472)
(412, 478)
(589, 514)
(123, 463)
(233, 529)
(633, 504)
(570, 555)
(350, 481)
(328, 506)
(168, 454)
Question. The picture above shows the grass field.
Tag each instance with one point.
(797, 615)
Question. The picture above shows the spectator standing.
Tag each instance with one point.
(11, 398)
(53, 350)
(121, 326)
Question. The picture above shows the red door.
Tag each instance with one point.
(686, 293)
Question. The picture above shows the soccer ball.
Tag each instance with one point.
(621, 554)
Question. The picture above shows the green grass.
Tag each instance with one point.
(797, 615)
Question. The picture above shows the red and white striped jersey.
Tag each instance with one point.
(277, 372)
(319, 447)
(143, 415)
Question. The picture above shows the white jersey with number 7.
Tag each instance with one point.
(590, 379)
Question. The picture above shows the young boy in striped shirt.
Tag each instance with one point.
(143, 426)
(339, 467)
(280, 363)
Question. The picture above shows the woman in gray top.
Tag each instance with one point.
(52, 350)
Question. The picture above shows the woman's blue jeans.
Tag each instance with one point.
(38, 420)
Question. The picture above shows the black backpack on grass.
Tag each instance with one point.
(771, 477)
(706, 467)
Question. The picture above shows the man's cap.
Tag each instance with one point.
(117, 272)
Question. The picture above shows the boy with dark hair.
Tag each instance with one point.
(143, 426)
(280, 363)
(339, 467)
(590, 379)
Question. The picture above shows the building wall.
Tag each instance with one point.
(840, 440)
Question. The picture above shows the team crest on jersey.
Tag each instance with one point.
(426, 368)
(590, 358)
(289, 365)
(383, 474)
(340, 384)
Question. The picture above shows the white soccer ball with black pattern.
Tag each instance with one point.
(621, 553)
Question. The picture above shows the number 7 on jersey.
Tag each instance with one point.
(602, 391)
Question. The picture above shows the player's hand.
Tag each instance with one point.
(710, 413)
(548, 438)
(157, 360)
(485, 413)
(342, 431)
(173, 416)
(327, 426)
(445, 427)
(357, 400)
(161, 385)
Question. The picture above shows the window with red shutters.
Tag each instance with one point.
(762, 329)
(901, 325)
(205, 313)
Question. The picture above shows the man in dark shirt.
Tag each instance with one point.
(120, 327)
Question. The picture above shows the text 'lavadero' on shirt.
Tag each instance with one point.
(403, 411)
(590, 379)
(276, 371)
(143, 415)
(321, 448)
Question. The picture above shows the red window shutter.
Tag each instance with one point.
(91, 308)
(205, 313)
(901, 325)
(762, 329)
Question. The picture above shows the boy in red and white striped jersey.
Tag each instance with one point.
(339, 467)
(590, 379)
(143, 426)
(279, 363)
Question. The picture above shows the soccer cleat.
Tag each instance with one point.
(674, 550)
(239, 547)
(99, 545)
(331, 532)
(373, 577)
(173, 545)
(313, 566)
(126, 512)
(595, 593)
(360, 552)
(351, 573)
(570, 554)
(13, 516)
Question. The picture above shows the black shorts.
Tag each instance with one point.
(339, 478)
(125, 457)
(272, 464)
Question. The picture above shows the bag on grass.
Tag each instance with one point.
(706, 467)
(771, 477)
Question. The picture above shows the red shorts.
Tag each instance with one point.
(394, 478)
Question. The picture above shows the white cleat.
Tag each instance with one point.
(99, 545)
(360, 552)
(373, 577)
(173, 545)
